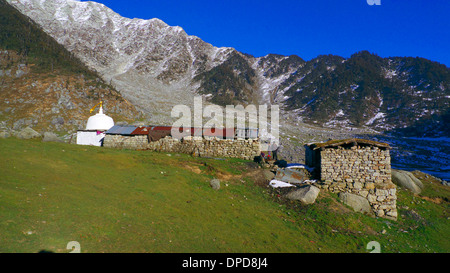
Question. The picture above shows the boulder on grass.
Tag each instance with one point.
(356, 202)
(306, 194)
(27, 133)
(268, 175)
(4, 134)
(407, 180)
(215, 184)
(51, 137)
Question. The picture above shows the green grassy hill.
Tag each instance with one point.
(139, 201)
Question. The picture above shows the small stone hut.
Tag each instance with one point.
(356, 166)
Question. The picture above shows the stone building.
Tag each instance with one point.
(356, 166)
(158, 138)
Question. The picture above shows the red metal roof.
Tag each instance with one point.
(140, 131)
(166, 130)
(161, 128)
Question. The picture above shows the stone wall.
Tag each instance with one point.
(364, 171)
(197, 146)
(138, 142)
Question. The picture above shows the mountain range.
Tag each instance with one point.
(154, 66)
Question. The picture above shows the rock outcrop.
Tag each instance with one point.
(306, 194)
(27, 133)
(407, 180)
(356, 202)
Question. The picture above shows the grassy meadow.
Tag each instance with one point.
(140, 201)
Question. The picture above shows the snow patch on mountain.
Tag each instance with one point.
(379, 115)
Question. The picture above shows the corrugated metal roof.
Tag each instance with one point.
(121, 130)
(156, 135)
(217, 132)
(141, 130)
(161, 128)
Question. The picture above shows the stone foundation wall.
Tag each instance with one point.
(364, 171)
(138, 142)
(197, 146)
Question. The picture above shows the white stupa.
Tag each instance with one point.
(96, 127)
(100, 121)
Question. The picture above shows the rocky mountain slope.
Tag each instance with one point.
(150, 63)
(44, 86)
(367, 90)
(156, 66)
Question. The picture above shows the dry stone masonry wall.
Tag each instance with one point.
(364, 171)
(197, 146)
(138, 142)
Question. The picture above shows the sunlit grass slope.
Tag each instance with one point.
(139, 201)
